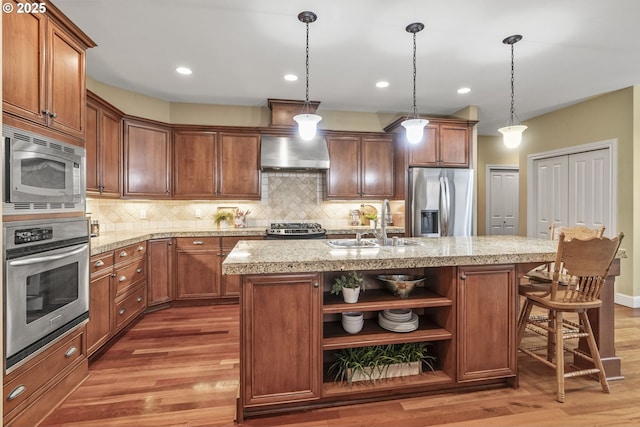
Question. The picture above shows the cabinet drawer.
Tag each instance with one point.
(197, 242)
(22, 384)
(130, 274)
(99, 263)
(130, 252)
(130, 305)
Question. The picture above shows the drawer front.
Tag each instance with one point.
(129, 275)
(26, 380)
(198, 242)
(99, 264)
(129, 252)
(131, 305)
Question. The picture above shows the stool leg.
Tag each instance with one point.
(551, 338)
(595, 353)
(522, 319)
(559, 345)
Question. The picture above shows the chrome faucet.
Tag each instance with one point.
(385, 218)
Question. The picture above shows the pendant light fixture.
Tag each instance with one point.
(512, 133)
(413, 124)
(307, 120)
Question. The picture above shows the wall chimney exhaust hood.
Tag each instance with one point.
(293, 153)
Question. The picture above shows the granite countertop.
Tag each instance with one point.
(263, 257)
(113, 240)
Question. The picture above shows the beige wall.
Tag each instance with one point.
(609, 116)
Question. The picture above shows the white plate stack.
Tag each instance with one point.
(398, 320)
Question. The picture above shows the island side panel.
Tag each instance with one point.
(280, 342)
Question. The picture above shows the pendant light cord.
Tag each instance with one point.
(512, 87)
(307, 66)
(415, 108)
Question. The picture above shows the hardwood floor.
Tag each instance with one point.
(179, 367)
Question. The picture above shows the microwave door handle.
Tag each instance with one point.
(47, 258)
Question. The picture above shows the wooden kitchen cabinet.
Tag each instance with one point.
(147, 159)
(281, 353)
(101, 295)
(45, 80)
(197, 267)
(361, 166)
(216, 165)
(160, 258)
(445, 144)
(487, 312)
(104, 148)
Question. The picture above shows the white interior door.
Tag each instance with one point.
(551, 193)
(590, 189)
(502, 201)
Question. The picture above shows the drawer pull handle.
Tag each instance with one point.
(72, 350)
(123, 254)
(139, 299)
(16, 392)
(139, 270)
(99, 263)
(140, 248)
(122, 278)
(122, 311)
(198, 242)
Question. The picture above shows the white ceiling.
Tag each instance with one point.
(239, 51)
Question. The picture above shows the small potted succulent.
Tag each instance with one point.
(350, 286)
(223, 219)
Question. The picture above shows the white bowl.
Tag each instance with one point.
(352, 317)
(353, 328)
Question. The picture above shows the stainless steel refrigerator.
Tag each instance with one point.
(440, 202)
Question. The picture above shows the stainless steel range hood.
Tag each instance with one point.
(294, 153)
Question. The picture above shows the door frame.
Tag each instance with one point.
(609, 144)
(487, 193)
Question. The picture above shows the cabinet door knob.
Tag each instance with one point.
(140, 248)
(123, 254)
(54, 115)
(16, 392)
(71, 351)
(463, 277)
(316, 285)
(139, 270)
(122, 311)
(122, 278)
(139, 299)
(99, 263)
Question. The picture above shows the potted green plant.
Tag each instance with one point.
(381, 361)
(350, 286)
(223, 219)
(373, 218)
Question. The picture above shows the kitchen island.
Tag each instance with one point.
(467, 310)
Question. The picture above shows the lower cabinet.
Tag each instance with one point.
(487, 305)
(281, 329)
(197, 267)
(101, 315)
(160, 258)
(34, 389)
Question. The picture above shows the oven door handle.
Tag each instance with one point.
(47, 258)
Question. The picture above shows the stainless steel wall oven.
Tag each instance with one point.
(46, 282)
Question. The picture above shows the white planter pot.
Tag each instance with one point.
(390, 371)
(350, 295)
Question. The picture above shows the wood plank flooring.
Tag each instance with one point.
(179, 367)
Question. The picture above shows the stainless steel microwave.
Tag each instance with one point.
(41, 174)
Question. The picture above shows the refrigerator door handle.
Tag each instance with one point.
(444, 220)
(448, 202)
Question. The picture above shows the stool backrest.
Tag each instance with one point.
(585, 263)
(578, 231)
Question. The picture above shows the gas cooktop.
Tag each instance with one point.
(297, 229)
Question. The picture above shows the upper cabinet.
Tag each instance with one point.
(104, 149)
(361, 166)
(443, 145)
(147, 159)
(44, 81)
(216, 165)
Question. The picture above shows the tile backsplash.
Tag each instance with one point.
(286, 197)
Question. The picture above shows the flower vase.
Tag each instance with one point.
(350, 295)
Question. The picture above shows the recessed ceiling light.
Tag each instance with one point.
(464, 90)
(184, 70)
(290, 77)
(382, 84)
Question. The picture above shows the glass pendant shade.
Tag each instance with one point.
(414, 129)
(512, 135)
(307, 125)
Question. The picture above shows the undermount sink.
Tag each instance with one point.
(369, 243)
(352, 243)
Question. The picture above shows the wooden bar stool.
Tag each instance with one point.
(583, 265)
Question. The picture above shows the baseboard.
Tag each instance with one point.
(627, 300)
